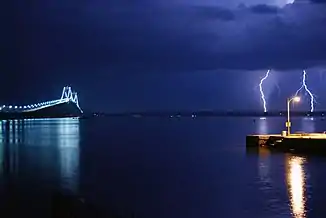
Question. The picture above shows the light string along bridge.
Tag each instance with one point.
(67, 96)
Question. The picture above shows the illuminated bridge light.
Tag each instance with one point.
(67, 96)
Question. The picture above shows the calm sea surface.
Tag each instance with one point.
(162, 167)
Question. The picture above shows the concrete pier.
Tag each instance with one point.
(298, 142)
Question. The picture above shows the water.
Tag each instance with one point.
(162, 167)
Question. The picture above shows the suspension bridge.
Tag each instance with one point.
(68, 96)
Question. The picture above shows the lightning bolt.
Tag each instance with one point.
(262, 95)
(304, 86)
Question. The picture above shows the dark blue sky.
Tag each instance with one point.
(147, 54)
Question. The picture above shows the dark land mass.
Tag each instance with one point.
(71, 110)
(212, 114)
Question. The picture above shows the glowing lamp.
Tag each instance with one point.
(296, 99)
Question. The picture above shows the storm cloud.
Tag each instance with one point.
(174, 36)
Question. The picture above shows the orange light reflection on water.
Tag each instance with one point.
(296, 183)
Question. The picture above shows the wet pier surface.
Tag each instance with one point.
(298, 142)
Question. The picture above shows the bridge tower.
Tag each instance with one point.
(69, 95)
(66, 93)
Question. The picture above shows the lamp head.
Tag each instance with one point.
(296, 99)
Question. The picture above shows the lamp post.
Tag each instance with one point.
(288, 123)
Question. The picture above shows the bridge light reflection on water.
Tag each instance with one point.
(41, 149)
(68, 145)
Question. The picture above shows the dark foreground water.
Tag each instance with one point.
(160, 167)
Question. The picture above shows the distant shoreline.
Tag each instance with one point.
(170, 114)
(211, 114)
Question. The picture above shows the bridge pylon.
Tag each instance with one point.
(69, 95)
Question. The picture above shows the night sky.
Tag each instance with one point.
(132, 55)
